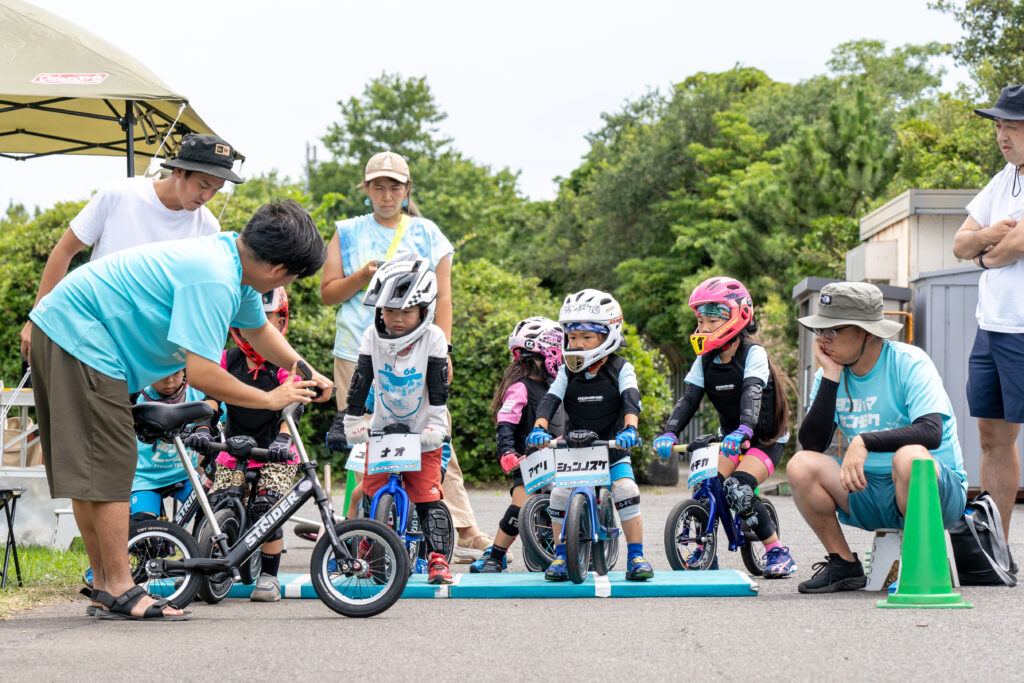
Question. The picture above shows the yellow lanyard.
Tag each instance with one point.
(403, 223)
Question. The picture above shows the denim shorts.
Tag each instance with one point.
(875, 507)
(994, 372)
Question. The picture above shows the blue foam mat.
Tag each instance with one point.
(507, 585)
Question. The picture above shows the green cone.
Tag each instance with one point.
(924, 567)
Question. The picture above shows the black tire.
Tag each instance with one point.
(688, 541)
(214, 588)
(606, 553)
(752, 550)
(535, 533)
(157, 539)
(387, 514)
(578, 538)
(251, 568)
(381, 583)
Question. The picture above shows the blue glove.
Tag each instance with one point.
(538, 437)
(628, 438)
(280, 449)
(733, 443)
(664, 443)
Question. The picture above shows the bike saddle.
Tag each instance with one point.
(155, 420)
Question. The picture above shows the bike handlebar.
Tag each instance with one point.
(562, 443)
(255, 454)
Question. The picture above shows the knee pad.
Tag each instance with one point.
(557, 502)
(739, 492)
(626, 495)
(510, 521)
(434, 520)
(760, 522)
(259, 506)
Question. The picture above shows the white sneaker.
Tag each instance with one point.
(268, 589)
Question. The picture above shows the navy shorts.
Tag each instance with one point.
(995, 376)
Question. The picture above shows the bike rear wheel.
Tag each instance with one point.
(214, 588)
(606, 553)
(691, 540)
(160, 540)
(377, 584)
(752, 551)
(578, 538)
(535, 533)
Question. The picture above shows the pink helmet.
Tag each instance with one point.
(734, 300)
(541, 336)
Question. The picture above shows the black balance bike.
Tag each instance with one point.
(167, 559)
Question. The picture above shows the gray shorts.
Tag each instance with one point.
(85, 426)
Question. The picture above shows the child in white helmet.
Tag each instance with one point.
(599, 392)
(404, 355)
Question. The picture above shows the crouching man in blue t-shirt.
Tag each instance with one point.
(122, 322)
(890, 406)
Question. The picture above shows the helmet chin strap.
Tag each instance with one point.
(847, 366)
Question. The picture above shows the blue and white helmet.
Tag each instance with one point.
(593, 311)
(402, 282)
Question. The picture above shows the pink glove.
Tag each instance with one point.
(510, 461)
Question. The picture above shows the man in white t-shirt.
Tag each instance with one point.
(993, 236)
(137, 211)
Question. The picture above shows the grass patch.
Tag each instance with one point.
(50, 575)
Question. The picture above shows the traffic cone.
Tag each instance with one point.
(924, 566)
(350, 486)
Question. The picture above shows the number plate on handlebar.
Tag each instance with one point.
(357, 458)
(581, 467)
(703, 464)
(538, 469)
(393, 453)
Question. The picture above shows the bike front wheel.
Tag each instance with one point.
(579, 538)
(752, 551)
(377, 583)
(535, 532)
(160, 540)
(606, 553)
(690, 538)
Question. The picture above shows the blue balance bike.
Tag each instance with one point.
(691, 530)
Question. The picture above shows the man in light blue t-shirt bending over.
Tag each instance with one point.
(118, 324)
(890, 406)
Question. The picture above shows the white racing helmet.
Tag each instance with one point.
(402, 282)
(594, 311)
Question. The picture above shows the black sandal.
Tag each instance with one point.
(94, 596)
(121, 607)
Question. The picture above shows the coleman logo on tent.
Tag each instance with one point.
(223, 150)
(69, 79)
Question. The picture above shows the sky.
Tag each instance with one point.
(522, 83)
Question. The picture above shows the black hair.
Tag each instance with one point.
(283, 233)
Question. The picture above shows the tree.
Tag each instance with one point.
(993, 41)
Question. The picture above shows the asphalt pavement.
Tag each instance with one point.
(779, 634)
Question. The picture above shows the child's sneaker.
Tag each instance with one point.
(778, 563)
(557, 571)
(638, 569)
(835, 574)
(478, 565)
(421, 566)
(492, 566)
(438, 571)
(268, 589)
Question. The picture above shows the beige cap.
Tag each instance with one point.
(387, 165)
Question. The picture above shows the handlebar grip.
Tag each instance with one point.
(256, 454)
(681, 448)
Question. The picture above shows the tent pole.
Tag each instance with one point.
(129, 125)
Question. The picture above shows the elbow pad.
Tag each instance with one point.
(750, 401)
(437, 381)
(685, 408)
(547, 406)
(358, 389)
(506, 438)
(630, 401)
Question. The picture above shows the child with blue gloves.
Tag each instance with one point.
(599, 392)
(747, 392)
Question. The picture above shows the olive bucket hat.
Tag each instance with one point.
(852, 303)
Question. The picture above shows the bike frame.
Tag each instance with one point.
(308, 486)
(712, 490)
(402, 502)
(600, 531)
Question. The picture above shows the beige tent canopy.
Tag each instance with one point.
(65, 91)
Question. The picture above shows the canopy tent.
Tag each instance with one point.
(65, 91)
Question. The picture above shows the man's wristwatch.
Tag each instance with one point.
(449, 349)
